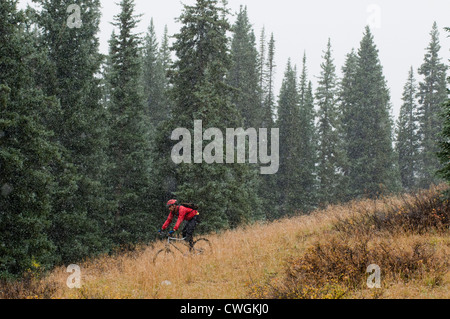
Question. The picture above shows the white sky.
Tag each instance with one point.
(401, 29)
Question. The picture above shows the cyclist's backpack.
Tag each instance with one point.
(190, 205)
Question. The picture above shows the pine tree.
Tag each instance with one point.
(307, 132)
(81, 209)
(289, 124)
(330, 148)
(227, 194)
(164, 53)
(244, 71)
(407, 145)
(269, 98)
(371, 168)
(26, 154)
(129, 148)
(166, 61)
(268, 191)
(154, 79)
(432, 94)
(444, 154)
(262, 56)
(347, 103)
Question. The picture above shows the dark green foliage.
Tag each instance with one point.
(129, 135)
(288, 121)
(26, 155)
(444, 154)
(407, 144)
(432, 94)
(26, 185)
(329, 131)
(266, 65)
(154, 79)
(269, 98)
(227, 193)
(308, 143)
(243, 74)
(81, 211)
(371, 167)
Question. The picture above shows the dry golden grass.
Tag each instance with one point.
(255, 262)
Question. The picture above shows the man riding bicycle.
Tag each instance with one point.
(184, 214)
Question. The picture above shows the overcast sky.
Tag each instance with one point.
(401, 29)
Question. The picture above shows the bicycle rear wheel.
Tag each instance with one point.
(163, 256)
(202, 246)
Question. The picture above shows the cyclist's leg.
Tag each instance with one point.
(184, 232)
(190, 228)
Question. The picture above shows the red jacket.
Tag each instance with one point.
(183, 214)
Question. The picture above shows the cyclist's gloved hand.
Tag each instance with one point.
(171, 232)
(160, 231)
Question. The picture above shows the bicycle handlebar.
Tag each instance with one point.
(166, 234)
(163, 233)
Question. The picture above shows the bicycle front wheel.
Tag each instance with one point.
(202, 246)
(163, 256)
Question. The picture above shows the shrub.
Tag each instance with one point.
(337, 266)
(420, 213)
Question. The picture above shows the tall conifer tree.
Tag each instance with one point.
(289, 123)
(268, 103)
(407, 144)
(129, 149)
(226, 193)
(154, 79)
(244, 71)
(330, 147)
(308, 141)
(372, 169)
(444, 154)
(432, 94)
(81, 209)
(27, 153)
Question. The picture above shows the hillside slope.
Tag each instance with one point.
(323, 255)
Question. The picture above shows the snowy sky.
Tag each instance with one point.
(401, 29)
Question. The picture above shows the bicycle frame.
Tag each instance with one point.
(171, 242)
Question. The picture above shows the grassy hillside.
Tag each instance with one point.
(323, 255)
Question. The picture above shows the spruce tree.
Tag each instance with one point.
(81, 210)
(226, 193)
(347, 103)
(269, 98)
(289, 124)
(407, 144)
(129, 147)
(262, 56)
(307, 132)
(165, 53)
(432, 94)
(371, 168)
(269, 190)
(154, 79)
(26, 154)
(329, 131)
(244, 71)
(444, 153)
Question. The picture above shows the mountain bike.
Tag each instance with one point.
(201, 246)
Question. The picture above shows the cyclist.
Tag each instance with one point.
(184, 214)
